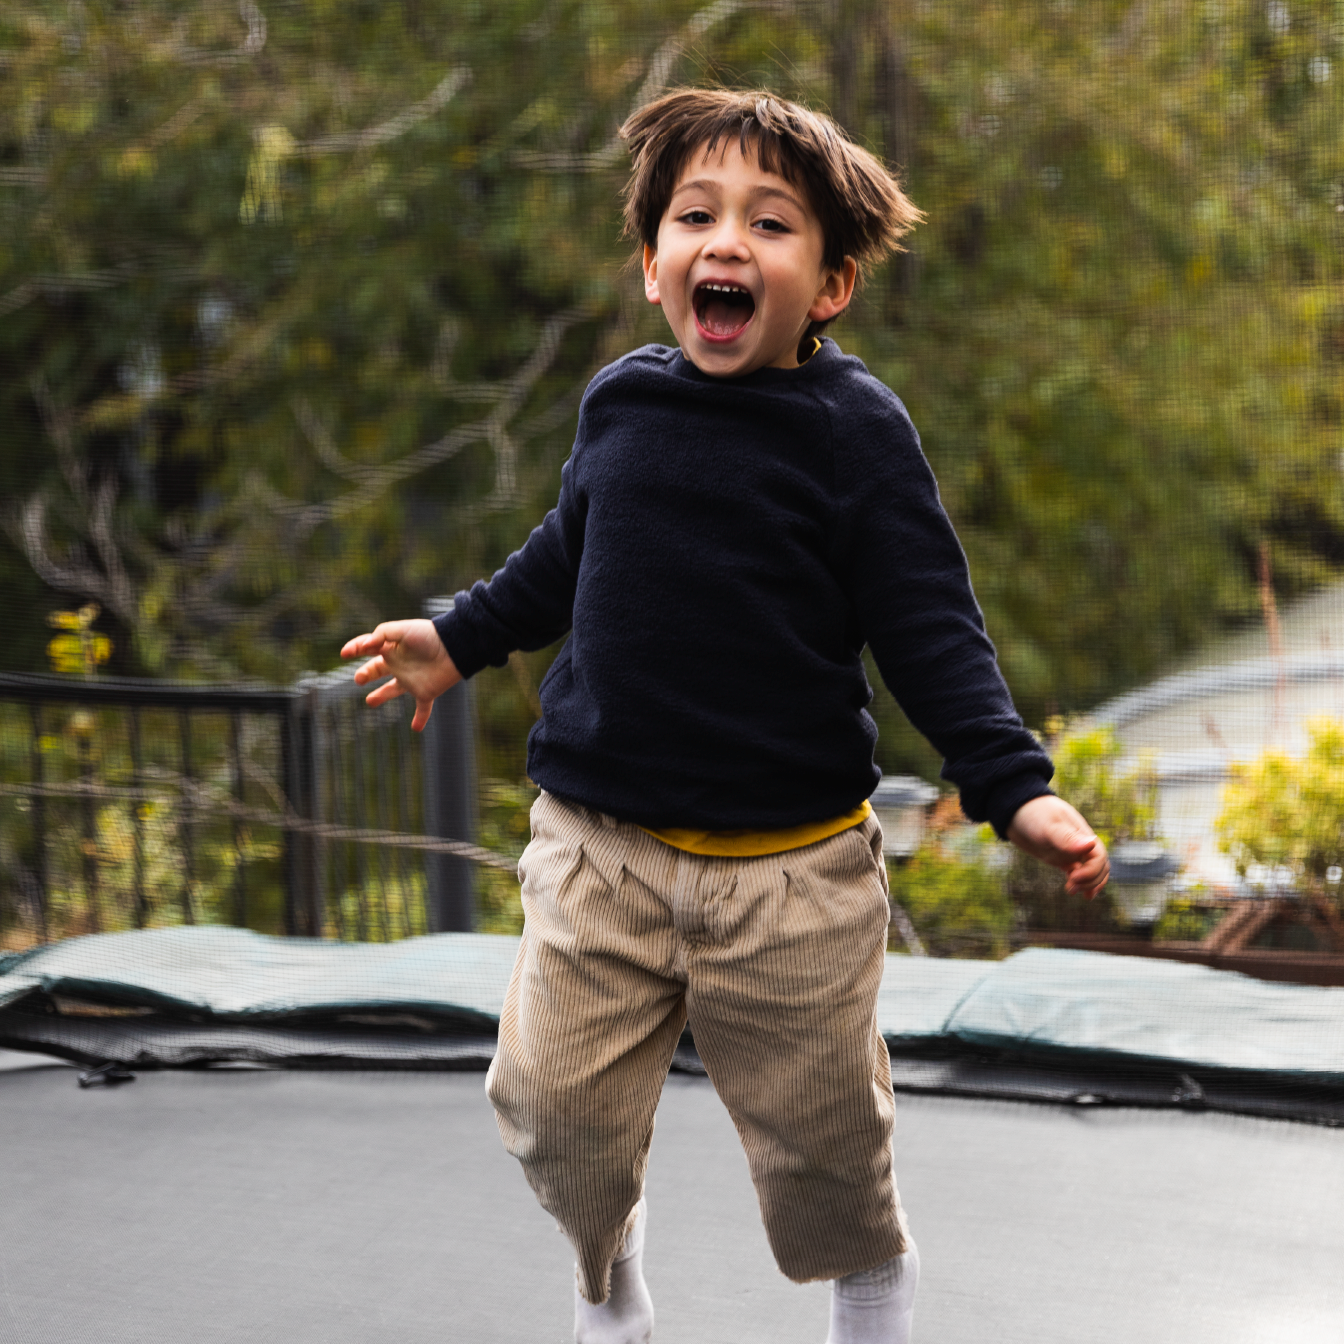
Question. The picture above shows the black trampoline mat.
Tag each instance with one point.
(352, 1208)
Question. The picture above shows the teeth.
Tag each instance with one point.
(725, 289)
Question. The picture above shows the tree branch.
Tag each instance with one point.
(443, 93)
(661, 66)
(375, 480)
(122, 597)
(66, 573)
(112, 585)
(56, 423)
(319, 437)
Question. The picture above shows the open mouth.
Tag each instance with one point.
(723, 310)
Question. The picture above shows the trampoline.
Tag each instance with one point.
(299, 303)
(265, 1205)
(326, 1166)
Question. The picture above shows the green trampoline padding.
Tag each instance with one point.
(1039, 1002)
(235, 975)
(1143, 1009)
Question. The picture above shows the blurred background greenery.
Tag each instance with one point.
(297, 302)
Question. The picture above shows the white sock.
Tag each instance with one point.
(626, 1317)
(876, 1306)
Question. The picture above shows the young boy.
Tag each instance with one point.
(743, 511)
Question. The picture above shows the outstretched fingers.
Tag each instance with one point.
(372, 671)
(380, 695)
(362, 645)
(411, 657)
(380, 638)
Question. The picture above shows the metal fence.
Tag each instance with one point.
(129, 804)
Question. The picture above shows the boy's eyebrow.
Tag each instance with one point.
(707, 184)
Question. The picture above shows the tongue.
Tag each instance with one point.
(725, 314)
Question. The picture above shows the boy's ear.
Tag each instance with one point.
(837, 288)
(651, 275)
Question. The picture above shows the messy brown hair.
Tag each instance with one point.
(862, 210)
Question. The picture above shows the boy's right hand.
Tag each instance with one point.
(412, 654)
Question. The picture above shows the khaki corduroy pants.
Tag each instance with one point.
(775, 961)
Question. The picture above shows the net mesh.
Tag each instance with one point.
(296, 308)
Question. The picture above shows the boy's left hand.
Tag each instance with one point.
(1053, 831)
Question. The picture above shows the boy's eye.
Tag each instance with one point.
(773, 226)
(696, 217)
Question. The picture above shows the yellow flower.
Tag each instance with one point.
(261, 195)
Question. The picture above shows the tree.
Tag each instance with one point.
(296, 306)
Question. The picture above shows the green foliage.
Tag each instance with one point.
(377, 912)
(962, 904)
(958, 908)
(160, 859)
(1186, 919)
(1284, 812)
(1129, 247)
(295, 316)
(1119, 805)
(505, 829)
(92, 870)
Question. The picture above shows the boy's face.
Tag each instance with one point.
(738, 268)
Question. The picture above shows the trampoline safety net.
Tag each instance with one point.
(296, 309)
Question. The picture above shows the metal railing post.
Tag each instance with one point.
(85, 728)
(187, 817)
(239, 874)
(139, 811)
(314, 879)
(450, 791)
(302, 913)
(39, 813)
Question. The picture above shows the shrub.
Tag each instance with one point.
(1119, 805)
(1187, 920)
(959, 908)
(1288, 813)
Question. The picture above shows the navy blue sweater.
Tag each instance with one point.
(720, 554)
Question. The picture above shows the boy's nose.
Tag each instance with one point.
(730, 239)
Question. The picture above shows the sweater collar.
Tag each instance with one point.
(826, 355)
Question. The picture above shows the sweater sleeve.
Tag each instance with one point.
(916, 610)
(529, 603)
